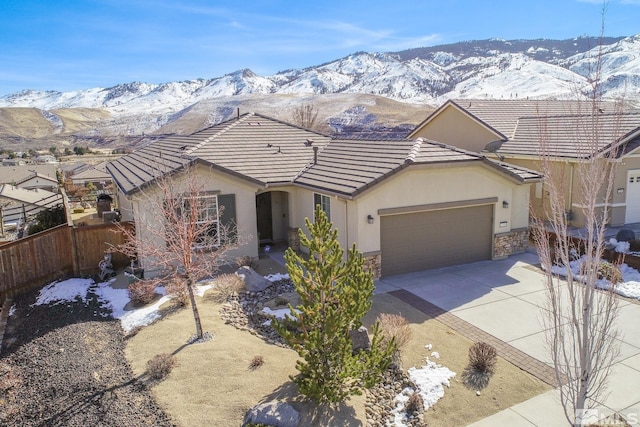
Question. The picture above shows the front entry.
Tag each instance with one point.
(272, 217)
(633, 197)
(265, 218)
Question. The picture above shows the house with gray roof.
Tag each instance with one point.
(407, 204)
(567, 132)
(18, 205)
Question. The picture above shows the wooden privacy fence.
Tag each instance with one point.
(60, 251)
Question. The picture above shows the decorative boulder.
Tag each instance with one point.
(360, 339)
(625, 235)
(276, 414)
(253, 281)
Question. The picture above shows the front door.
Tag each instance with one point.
(633, 197)
(264, 217)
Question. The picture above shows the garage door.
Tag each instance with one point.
(438, 238)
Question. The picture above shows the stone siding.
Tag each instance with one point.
(293, 239)
(373, 263)
(513, 242)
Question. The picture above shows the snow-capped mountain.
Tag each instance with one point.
(490, 68)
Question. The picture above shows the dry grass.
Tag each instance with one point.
(219, 368)
(226, 286)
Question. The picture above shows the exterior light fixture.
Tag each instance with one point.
(505, 204)
(369, 219)
(620, 190)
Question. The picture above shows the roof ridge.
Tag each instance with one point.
(413, 152)
(217, 134)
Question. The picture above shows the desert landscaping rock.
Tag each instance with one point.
(360, 339)
(252, 280)
(72, 369)
(245, 313)
(276, 414)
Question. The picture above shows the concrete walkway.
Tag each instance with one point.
(505, 299)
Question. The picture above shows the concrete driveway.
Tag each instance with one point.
(505, 298)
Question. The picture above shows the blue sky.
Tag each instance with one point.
(78, 44)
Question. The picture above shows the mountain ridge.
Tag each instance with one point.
(427, 76)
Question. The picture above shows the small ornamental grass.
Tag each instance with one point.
(160, 366)
(226, 287)
(396, 327)
(256, 362)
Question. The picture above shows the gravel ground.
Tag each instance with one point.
(64, 365)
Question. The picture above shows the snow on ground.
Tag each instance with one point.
(430, 381)
(629, 287)
(277, 277)
(116, 299)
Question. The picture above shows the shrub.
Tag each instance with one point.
(609, 271)
(414, 405)
(160, 365)
(177, 288)
(227, 286)
(256, 362)
(142, 292)
(247, 261)
(395, 326)
(483, 358)
(281, 301)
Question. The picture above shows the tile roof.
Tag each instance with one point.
(95, 173)
(253, 146)
(349, 167)
(503, 114)
(36, 197)
(573, 136)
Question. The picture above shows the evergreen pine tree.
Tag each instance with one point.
(335, 295)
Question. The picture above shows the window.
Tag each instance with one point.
(205, 214)
(324, 202)
(215, 215)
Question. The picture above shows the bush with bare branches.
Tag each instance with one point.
(483, 357)
(160, 365)
(142, 292)
(177, 288)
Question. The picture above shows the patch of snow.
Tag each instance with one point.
(430, 381)
(278, 314)
(435, 354)
(64, 291)
(621, 247)
(428, 346)
(277, 277)
(629, 287)
(12, 310)
(200, 290)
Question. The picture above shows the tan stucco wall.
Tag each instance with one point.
(419, 186)
(214, 181)
(573, 194)
(453, 127)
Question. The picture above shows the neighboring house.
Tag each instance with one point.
(19, 204)
(15, 174)
(520, 131)
(38, 180)
(408, 205)
(96, 175)
(46, 159)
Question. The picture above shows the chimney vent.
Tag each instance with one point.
(315, 155)
(238, 113)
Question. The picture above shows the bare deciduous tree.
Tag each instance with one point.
(179, 232)
(305, 116)
(579, 318)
